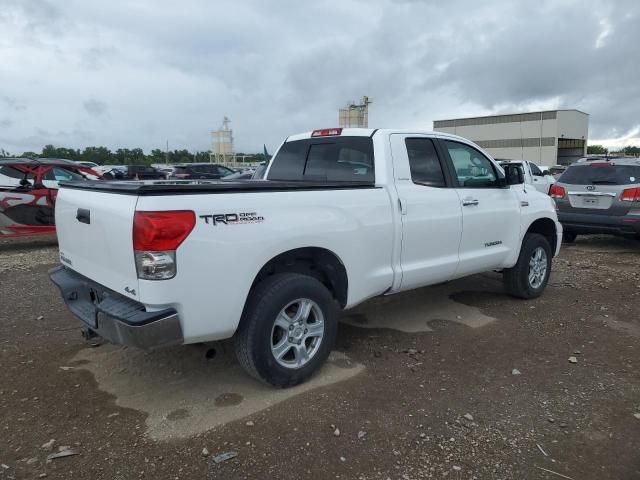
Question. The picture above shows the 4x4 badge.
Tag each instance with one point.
(590, 187)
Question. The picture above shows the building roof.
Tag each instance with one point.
(513, 114)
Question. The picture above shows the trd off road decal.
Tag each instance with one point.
(232, 218)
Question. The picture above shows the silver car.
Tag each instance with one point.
(599, 195)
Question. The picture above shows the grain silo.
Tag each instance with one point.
(222, 144)
(355, 115)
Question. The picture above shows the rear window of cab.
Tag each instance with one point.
(332, 159)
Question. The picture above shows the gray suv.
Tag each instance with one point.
(599, 196)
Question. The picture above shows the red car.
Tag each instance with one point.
(28, 190)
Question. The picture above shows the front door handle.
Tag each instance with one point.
(467, 202)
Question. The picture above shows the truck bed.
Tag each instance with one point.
(177, 187)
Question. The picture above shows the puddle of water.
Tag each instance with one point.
(416, 310)
(184, 394)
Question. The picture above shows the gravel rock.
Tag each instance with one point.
(49, 445)
(249, 424)
(468, 416)
(223, 457)
(205, 452)
(515, 371)
(573, 360)
(336, 432)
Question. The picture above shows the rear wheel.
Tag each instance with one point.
(529, 276)
(287, 330)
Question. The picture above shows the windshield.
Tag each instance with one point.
(601, 174)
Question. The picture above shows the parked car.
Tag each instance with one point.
(94, 166)
(28, 190)
(134, 172)
(599, 196)
(343, 215)
(248, 174)
(200, 170)
(540, 179)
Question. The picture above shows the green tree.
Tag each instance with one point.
(99, 155)
(596, 150)
(632, 150)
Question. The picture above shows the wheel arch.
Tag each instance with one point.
(546, 227)
(317, 262)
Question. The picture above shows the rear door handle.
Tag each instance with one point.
(467, 202)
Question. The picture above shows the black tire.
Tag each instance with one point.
(569, 237)
(253, 338)
(516, 279)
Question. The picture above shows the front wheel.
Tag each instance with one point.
(287, 330)
(529, 276)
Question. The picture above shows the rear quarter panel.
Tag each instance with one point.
(218, 263)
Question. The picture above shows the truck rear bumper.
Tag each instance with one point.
(115, 317)
(584, 223)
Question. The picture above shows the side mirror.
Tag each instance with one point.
(513, 175)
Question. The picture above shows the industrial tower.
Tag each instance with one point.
(355, 116)
(222, 144)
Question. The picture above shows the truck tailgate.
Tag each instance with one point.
(95, 237)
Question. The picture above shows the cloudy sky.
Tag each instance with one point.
(80, 73)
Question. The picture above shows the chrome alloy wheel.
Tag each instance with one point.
(537, 267)
(297, 333)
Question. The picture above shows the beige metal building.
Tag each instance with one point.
(546, 138)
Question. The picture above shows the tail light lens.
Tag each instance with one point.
(631, 195)
(182, 175)
(156, 237)
(556, 191)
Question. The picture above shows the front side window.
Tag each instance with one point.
(473, 169)
(424, 163)
(535, 171)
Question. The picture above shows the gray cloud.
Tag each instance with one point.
(172, 72)
(12, 103)
(95, 107)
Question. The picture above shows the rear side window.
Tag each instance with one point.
(607, 174)
(424, 163)
(335, 159)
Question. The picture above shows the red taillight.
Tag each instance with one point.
(631, 195)
(326, 132)
(556, 191)
(183, 175)
(600, 164)
(156, 231)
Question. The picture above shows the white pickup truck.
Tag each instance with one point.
(540, 179)
(342, 216)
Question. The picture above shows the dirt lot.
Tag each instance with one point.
(454, 381)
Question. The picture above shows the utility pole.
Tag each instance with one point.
(166, 153)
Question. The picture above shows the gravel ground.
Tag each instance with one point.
(548, 390)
